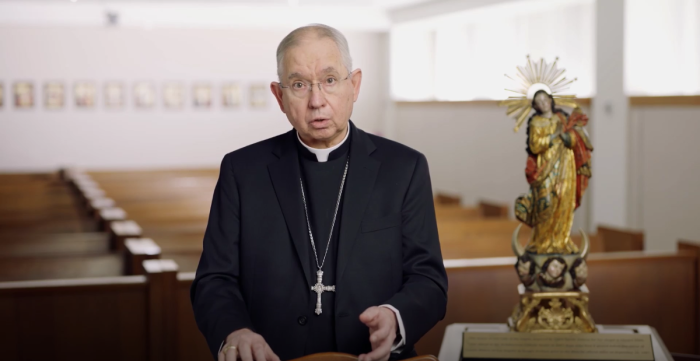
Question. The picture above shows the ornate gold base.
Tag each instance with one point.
(556, 312)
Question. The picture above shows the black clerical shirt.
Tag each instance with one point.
(321, 187)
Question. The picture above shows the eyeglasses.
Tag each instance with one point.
(301, 89)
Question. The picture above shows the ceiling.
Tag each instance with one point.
(362, 15)
(384, 4)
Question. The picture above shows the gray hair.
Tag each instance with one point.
(320, 30)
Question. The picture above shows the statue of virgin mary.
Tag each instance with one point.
(558, 158)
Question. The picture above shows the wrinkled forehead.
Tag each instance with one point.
(312, 57)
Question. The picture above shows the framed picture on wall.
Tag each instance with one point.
(23, 94)
(230, 95)
(258, 96)
(201, 95)
(114, 94)
(2, 95)
(173, 95)
(85, 94)
(144, 94)
(54, 95)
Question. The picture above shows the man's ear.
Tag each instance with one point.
(277, 92)
(356, 79)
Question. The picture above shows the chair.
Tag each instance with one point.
(338, 356)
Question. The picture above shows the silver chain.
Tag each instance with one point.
(337, 205)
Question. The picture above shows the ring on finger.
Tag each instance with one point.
(227, 348)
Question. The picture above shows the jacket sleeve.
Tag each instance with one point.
(219, 307)
(422, 299)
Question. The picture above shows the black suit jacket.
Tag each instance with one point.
(254, 271)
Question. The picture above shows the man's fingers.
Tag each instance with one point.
(269, 354)
(259, 352)
(369, 317)
(221, 357)
(380, 353)
(379, 334)
(245, 352)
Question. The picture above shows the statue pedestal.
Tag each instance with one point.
(451, 348)
(559, 312)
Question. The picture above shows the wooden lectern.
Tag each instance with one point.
(338, 356)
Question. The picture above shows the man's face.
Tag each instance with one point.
(321, 118)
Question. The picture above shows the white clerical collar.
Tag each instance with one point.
(322, 154)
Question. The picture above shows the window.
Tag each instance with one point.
(662, 47)
(464, 56)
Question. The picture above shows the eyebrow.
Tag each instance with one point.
(327, 70)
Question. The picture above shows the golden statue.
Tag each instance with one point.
(551, 267)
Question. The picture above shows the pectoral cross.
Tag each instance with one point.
(319, 288)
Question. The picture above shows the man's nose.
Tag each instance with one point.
(317, 98)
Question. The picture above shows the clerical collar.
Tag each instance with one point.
(322, 155)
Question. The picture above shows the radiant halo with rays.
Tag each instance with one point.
(532, 78)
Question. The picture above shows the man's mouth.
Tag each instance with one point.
(319, 122)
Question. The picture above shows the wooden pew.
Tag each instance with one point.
(169, 209)
(456, 213)
(693, 247)
(153, 318)
(443, 199)
(113, 318)
(447, 209)
(57, 267)
(73, 256)
(120, 231)
(39, 203)
(107, 216)
(26, 254)
(493, 210)
(617, 239)
(191, 344)
(139, 250)
(654, 288)
(57, 244)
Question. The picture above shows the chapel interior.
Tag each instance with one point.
(115, 116)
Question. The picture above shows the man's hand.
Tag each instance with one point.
(249, 346)
(382, 332)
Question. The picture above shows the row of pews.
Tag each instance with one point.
(101, 263)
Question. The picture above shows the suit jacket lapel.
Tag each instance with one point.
(285, 175)
(360, 182)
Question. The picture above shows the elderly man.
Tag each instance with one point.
(323, 238)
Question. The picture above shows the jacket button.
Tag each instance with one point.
(302, 320)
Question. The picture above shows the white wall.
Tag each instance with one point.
(665, 166)
(40, 139)
(472, 152)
